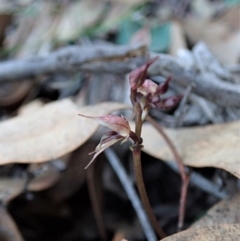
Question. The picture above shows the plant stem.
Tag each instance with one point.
(136, 149)
(132, 194)
(184, 176)
(96, 203)
(138, 121)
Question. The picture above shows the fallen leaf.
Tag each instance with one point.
(178, 40)
(51, 132)
(74, 176)
(205, 146)
(226, 211)
(34, 32)
(221, 35)
(11, 188)
(77, 18)
(8, 229)
(31, 107)
(47, 174)
(13, 93)
(220, 232)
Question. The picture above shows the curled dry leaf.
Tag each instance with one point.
(51, 132)
(206, 146)
(220, 232)
(46, 174)
(74, 176)
(226, 211)
(11, 188)
(14, 93)
(8, 229)
(70, 26)
(31, 107)
(222, 35)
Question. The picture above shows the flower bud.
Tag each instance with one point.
(163, 88)
(137, 76)
(168, 103)
(148, 87)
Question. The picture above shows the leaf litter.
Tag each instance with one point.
(45, 132)
(206, 146)
(51, 132)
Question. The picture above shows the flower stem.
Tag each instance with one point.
(136, 149)
(184, 176)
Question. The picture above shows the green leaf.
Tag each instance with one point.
(160, 36)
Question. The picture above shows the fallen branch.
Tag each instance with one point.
(104, 58)
(122, 60)
(205, 83)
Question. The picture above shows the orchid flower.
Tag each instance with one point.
(147, 93)
(120, 132)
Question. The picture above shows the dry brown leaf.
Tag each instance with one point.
(73, 178)
(8, 229)
(47, 174)
(51, 132)
(118, 236)
(77, 18)
(226, 211)
(204, 146)
(31, 107)
(11, 188)
(114, 15)
(221, 35)
(178, 40)
(220, 232)
(34, 32)
(13, 93)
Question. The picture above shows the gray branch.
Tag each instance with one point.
(205, 84)
(208, 78)
(104, 58)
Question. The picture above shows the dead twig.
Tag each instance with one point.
(205, 84)
(181, 109)
(103, 58)
(184, 176)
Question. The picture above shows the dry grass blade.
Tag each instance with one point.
(51, 132)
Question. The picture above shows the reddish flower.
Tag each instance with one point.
(149, 95)
(138, 76)
(148, 88)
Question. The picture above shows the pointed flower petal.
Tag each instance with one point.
(167, 103)
(106, 138)
(163, 88)
(103, 147)
(116, 123)
(137, 76)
